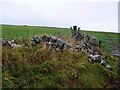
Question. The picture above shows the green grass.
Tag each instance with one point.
(22, 33)
(42, 68)
(14, 31)
(18, 32)
(37, 67)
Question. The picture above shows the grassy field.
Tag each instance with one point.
(13, 31)
(19, 32)
(39, 67)
(22, 32)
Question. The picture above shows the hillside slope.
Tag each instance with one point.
(42, 68)
(39, 67)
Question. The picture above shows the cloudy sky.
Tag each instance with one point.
(99, 15)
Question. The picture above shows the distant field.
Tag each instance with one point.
(11, 32)
(20, 32)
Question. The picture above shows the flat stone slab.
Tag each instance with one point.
(116, 54)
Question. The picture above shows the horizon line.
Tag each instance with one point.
(58, 27)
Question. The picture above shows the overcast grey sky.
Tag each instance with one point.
(101, 15)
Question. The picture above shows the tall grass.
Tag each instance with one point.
(37, 67)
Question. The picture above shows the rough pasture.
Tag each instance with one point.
(37, 67)
(45, 68)
(22, 33)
